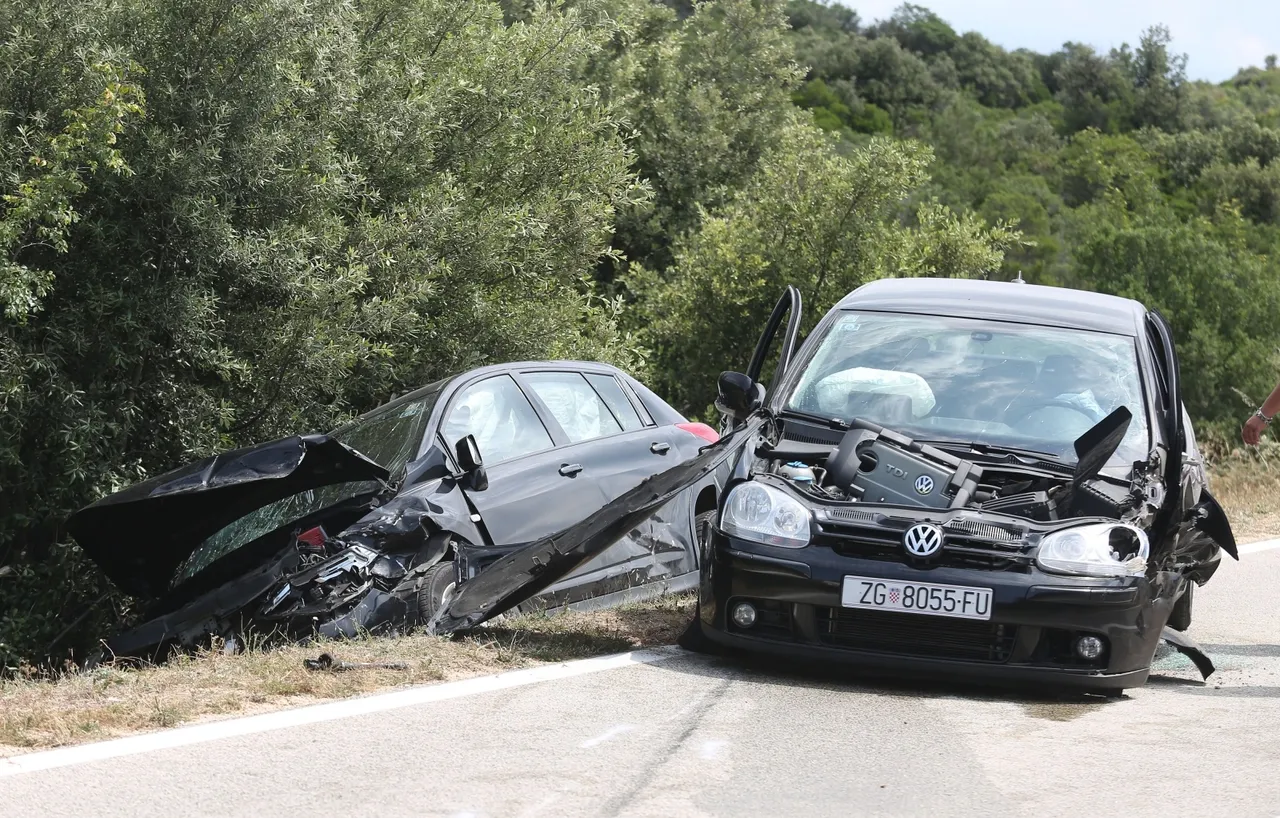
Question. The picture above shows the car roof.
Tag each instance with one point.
(516, 366)
(1001, 301)
(521, 366)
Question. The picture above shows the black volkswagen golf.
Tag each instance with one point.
(962, 478)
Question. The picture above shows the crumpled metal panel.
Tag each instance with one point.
(524, 573)
(139, 536)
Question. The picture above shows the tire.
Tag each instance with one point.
(693, 639)
(434, 588)
(702, 529)
(1180, 617)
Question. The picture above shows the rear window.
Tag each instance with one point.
(617, 401)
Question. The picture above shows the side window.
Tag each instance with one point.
(617, 401)
(638, 392)
(574, 405)
(501, 418)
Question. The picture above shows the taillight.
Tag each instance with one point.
(702, 430)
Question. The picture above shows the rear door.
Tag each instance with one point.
(536, 487)
(617, 448)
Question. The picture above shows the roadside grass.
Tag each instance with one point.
(1247, 484)
(117, 699)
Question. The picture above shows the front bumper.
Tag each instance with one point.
(1035, 619)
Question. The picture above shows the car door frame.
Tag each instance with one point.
(1190, 520)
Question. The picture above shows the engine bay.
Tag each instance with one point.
(872, 464)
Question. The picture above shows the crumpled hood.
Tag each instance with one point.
(139, 536)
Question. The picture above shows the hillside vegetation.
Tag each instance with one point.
(228, 220)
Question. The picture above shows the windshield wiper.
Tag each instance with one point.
(1025, 456)
(839, 424)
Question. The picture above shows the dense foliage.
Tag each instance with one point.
(1121, 175)
(227, 220)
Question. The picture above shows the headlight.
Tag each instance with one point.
(1102, 550)
(766, 515)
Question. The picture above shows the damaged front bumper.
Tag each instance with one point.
(296, 596)
(1036, 618)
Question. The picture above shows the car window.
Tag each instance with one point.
(638, 395)
(501, 418)
(608, 389)
(574, 404)
(975, 381)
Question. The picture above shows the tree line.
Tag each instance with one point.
(225, 221)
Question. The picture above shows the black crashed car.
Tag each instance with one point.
(962, 478)
(375, 525)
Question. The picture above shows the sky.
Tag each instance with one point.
(1218, 36)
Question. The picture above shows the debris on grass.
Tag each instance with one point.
(119, 699)
(326, 661)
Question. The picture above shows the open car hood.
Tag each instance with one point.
(139, 536)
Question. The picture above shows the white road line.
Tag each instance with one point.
(281, 719)
(1264, 545)
(608, 735)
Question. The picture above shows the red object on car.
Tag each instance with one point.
(702, 430)
(313, 537)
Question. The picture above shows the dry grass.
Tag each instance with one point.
(112, 701)
(1247, 483)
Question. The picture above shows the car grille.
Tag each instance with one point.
(915, 635)
(966, 545)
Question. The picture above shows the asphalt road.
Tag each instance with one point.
(693, 736)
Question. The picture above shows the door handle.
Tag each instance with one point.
(570, 469)
(660, 448)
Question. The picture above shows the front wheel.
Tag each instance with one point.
(693, 638)
(434, 590)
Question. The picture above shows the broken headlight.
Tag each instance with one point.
(766, 515)
(1101, 550)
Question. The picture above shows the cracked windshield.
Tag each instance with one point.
(973, 381)
(389, 437)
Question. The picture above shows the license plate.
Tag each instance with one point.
(916, 597)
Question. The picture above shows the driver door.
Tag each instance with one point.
(533, 490)
(740, 394)
(1191, 523)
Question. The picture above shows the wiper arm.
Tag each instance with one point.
(839, 424)
(1024, 456)
(995, 448)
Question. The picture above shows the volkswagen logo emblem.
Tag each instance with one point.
(924, 484)
(922, 540)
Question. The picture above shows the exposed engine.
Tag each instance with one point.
(876, 465)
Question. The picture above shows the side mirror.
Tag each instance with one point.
(738, 395)
(467, 452)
